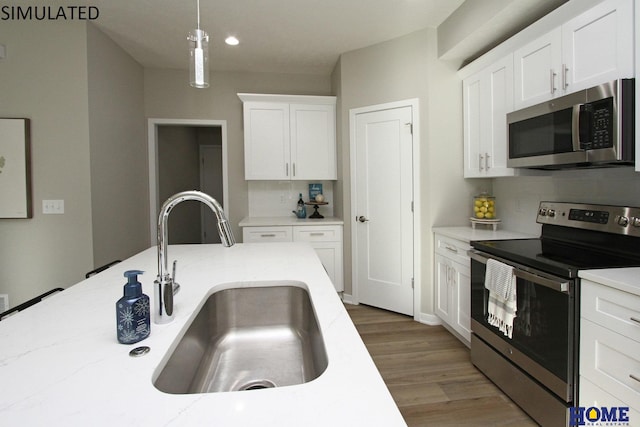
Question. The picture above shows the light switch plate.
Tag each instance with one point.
(55, 207)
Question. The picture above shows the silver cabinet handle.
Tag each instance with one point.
(362, 218)
(552, 81)
(565, 81)
(451, 249)
(316, 234)
(294, 169)
(267, 235)
(486, 161)
(287, 168)
(480, 157)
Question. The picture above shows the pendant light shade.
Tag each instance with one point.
(198, 55)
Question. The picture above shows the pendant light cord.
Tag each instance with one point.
(198, 13)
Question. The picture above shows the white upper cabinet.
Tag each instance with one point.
(590, 49)
(289, 137)
(597, 46)
(537, 66)
(488, 97)
(313, 141)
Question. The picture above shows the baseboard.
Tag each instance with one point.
(429, 319)
(347, 298)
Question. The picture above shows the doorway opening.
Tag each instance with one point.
(187, 155)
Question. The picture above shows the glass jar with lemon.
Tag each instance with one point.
(484, 206)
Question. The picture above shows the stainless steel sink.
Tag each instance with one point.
(246, 339)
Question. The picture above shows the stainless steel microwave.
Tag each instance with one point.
(589, 128)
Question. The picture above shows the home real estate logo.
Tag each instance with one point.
(604, 416)
(49, 13)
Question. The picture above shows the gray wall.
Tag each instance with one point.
(83, 95)
(119, 164)
(44, 78)
(168, 95)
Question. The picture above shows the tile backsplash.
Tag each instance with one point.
(279, 198)
(519, 197)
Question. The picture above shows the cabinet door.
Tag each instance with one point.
(500, 98)
(444, 296)
(313, 142)
(487, 98)
(537, 66)
(597, 46)
(473, 125)
(330, 254)
(462, 285)
(266, 140)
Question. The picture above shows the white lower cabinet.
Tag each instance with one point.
(453, 286)
(326, 240)
(609, 348)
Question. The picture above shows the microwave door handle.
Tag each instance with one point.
(575, 127)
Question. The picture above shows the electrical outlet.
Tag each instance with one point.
(53, 207)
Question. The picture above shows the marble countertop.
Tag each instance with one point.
(270, 221)
(624, 279)
(61, 364)
(468, 234)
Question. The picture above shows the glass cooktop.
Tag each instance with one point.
(560, 258)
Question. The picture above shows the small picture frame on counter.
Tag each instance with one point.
(314, 190)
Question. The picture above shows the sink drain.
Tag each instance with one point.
(257, 385)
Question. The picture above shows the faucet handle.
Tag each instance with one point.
(176, 286)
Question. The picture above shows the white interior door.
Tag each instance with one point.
(383, 209)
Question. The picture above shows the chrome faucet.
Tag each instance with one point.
(165, 285)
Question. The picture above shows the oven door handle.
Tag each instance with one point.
(556, 285)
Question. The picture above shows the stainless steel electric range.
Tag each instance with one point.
(537, 367)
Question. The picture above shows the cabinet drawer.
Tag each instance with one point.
(266, 234)
(593, 396)
(453, 249)
(317, 233)
(614, 309)
(610, 360)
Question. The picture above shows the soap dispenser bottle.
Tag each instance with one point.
(133, 311)
(301, 211)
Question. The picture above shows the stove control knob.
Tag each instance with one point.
(551, 213)
(542, 212)
(635, 221)
(623, 221)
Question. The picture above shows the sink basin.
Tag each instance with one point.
(246, 339)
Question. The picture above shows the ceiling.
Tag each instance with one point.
(283, 36)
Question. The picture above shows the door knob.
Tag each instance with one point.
(362, 218)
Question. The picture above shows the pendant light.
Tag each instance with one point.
(198, 55)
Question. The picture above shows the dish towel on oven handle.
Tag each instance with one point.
(500, 280)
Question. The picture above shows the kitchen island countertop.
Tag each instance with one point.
(61, 364)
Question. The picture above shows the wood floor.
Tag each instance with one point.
(430, 375)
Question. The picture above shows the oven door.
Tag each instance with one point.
(542, 342)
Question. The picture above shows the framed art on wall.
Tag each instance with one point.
(15, 169)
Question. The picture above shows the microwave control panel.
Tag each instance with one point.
(598, 117)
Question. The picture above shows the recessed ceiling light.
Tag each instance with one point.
(232, 41)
